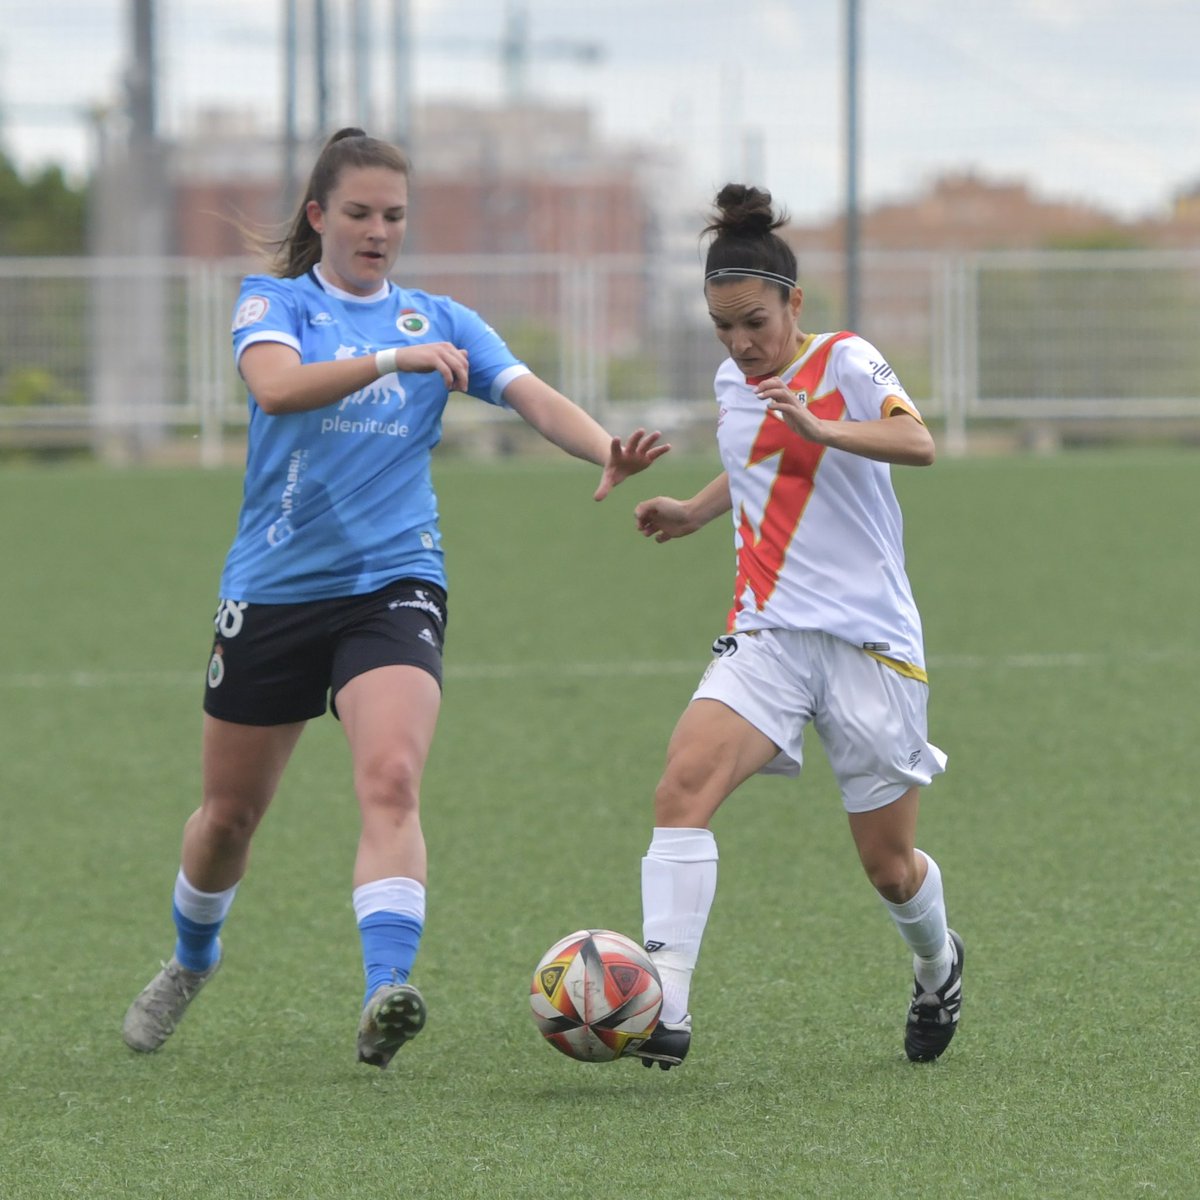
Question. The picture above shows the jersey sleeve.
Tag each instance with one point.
(493, 365)
(869, 385)
(268, 310)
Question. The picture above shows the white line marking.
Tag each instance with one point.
(82, 680)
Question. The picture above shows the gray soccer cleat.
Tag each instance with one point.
(160, 1005)
(394, 1015)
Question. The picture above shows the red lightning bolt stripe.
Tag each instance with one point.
(760, 556)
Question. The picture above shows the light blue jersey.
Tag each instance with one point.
(339, 501)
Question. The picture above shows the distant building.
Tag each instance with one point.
(525, 180)
(965, 212)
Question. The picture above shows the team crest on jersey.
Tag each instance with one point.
(251, 311)
(412, 322)
(321, 318)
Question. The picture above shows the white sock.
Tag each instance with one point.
(679, 880)
(922, 924)
(205, 908)
(397, 894)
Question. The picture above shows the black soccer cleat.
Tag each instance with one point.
(933, 1016)
(667, 1045)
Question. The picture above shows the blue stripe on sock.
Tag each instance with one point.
(389, 945)
(195, 944)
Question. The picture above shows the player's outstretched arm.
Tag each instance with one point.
(664, 518)
(568, 427)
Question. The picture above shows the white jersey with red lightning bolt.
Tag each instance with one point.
(818, 532)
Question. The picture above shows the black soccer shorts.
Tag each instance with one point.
(274, 664)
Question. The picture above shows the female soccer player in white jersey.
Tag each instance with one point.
(334, 586)
(823, 628)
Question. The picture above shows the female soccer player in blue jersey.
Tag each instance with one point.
(334, 586)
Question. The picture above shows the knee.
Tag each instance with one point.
(389, 783)
(679, 798)
(895, 879)
(229, 824)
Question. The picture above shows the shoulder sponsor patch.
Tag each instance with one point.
(251, 311)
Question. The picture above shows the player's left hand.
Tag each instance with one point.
(791, 407)
(624, 460)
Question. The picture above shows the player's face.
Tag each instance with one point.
(755, 323)
(362, 227)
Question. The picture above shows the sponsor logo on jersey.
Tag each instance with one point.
(250, 311)
(914, 758)
(422, 602)
(321, 318)
(279, 531)
(654, 947)
(883, 375)
(289, 498)
(412, 323)
(725, 645)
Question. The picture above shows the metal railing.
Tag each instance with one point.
(126, 355)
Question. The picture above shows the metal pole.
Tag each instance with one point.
(321, 47)
(143, 74)
(514, 51)
(402, 74)
(852, 239)
(361, 63)
(290, 77)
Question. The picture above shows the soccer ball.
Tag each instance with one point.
(595, 994)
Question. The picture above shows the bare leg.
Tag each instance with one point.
(884, 839)
(712, 751)
(242, 767)
(389, 715)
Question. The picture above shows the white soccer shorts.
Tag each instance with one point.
(871, 719)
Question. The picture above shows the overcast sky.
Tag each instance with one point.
(1094, 100)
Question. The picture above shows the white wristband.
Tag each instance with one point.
(385, 361)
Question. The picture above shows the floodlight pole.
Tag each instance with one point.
(291, 74)
(402, 74)
(851, 149)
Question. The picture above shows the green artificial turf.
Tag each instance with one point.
(1061, 616)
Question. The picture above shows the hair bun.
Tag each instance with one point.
(745, 211)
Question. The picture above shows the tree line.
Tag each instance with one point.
(40, 213)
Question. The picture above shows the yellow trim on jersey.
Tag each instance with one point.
(906, 669)
(895, 404)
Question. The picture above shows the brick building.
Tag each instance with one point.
(524, 180)
(965, 212)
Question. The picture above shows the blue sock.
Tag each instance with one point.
(389, 945)
(196, 944)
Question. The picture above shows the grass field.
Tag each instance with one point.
(1062, 609)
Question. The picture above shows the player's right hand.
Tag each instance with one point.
(664, 518)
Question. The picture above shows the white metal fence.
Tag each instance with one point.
(124, 356)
